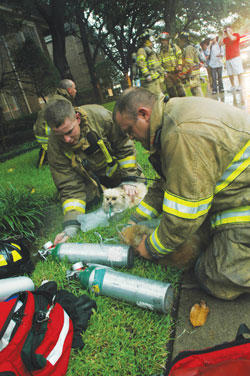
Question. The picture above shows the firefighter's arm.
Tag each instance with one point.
(71, 187)
(123, 149)
(151, 205)
(141, 60)
(178, 57)
(188, 192)
(188, 61)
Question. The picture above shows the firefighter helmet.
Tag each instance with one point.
(164, 35)
(14, 260)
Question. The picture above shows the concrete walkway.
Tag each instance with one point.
(239, 99)
(224, 317)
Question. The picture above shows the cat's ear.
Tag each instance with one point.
(103, 188)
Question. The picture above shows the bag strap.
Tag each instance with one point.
(42, 299)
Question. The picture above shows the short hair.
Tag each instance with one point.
(131, 99)
(57, 111)
(65, 84)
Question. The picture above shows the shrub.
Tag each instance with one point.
(20, 213)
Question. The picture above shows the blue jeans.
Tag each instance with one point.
(217, 75)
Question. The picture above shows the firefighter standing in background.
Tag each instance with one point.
(67, 91)
(191, 65)
(149, 64)
(85, 150)
(171, 60)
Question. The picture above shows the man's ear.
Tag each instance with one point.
(144, 112)
(78, 117)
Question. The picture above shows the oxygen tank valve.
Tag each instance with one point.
(73, 273)
(46, 250)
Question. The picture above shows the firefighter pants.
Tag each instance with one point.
(174, 85)
(195, 85)
(223, 268)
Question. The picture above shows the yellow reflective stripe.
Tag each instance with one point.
(74, 204)
(156, 244)
(16, 245)
(240, 162)
(146, 210)
(185, 208)
(16, 256)
(238, 215)
(155, 75)
(2, 261)
(110, 170)
(42, 140)
(47, 129)
(127, 162)
(141, 58)
(68, 154)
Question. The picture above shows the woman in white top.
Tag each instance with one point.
(216, 64)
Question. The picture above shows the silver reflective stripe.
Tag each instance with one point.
(5, 340)
(56, 352)
(237, 215)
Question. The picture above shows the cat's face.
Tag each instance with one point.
(114, 200)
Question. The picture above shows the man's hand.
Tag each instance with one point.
(69, 232)
(61, 238)
(141, 249)
(130, 189)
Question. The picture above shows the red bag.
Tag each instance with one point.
(35, 336)
(229, 358)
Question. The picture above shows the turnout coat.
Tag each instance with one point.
(78, 170)
(201, 151)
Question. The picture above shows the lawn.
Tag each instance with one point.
(121, 339)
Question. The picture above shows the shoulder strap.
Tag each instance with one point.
(42, 299)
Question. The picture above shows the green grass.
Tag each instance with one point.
(121, 339)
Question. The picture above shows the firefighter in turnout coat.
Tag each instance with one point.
(201, 151)
(171, 60)
(149, 65)
(86, 150)
(191, 65)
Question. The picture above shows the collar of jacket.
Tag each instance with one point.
(148, 50)
(64, 93)
(156, 120)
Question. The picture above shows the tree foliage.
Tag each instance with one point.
(53, 13)
(36, 68)
(115, 26)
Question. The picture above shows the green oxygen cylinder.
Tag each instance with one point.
(145, 293)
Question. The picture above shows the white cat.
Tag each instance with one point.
(115, 200)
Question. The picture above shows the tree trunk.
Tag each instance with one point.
(58, 37)
(170, 16)
(54, 15)
(90, 62)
